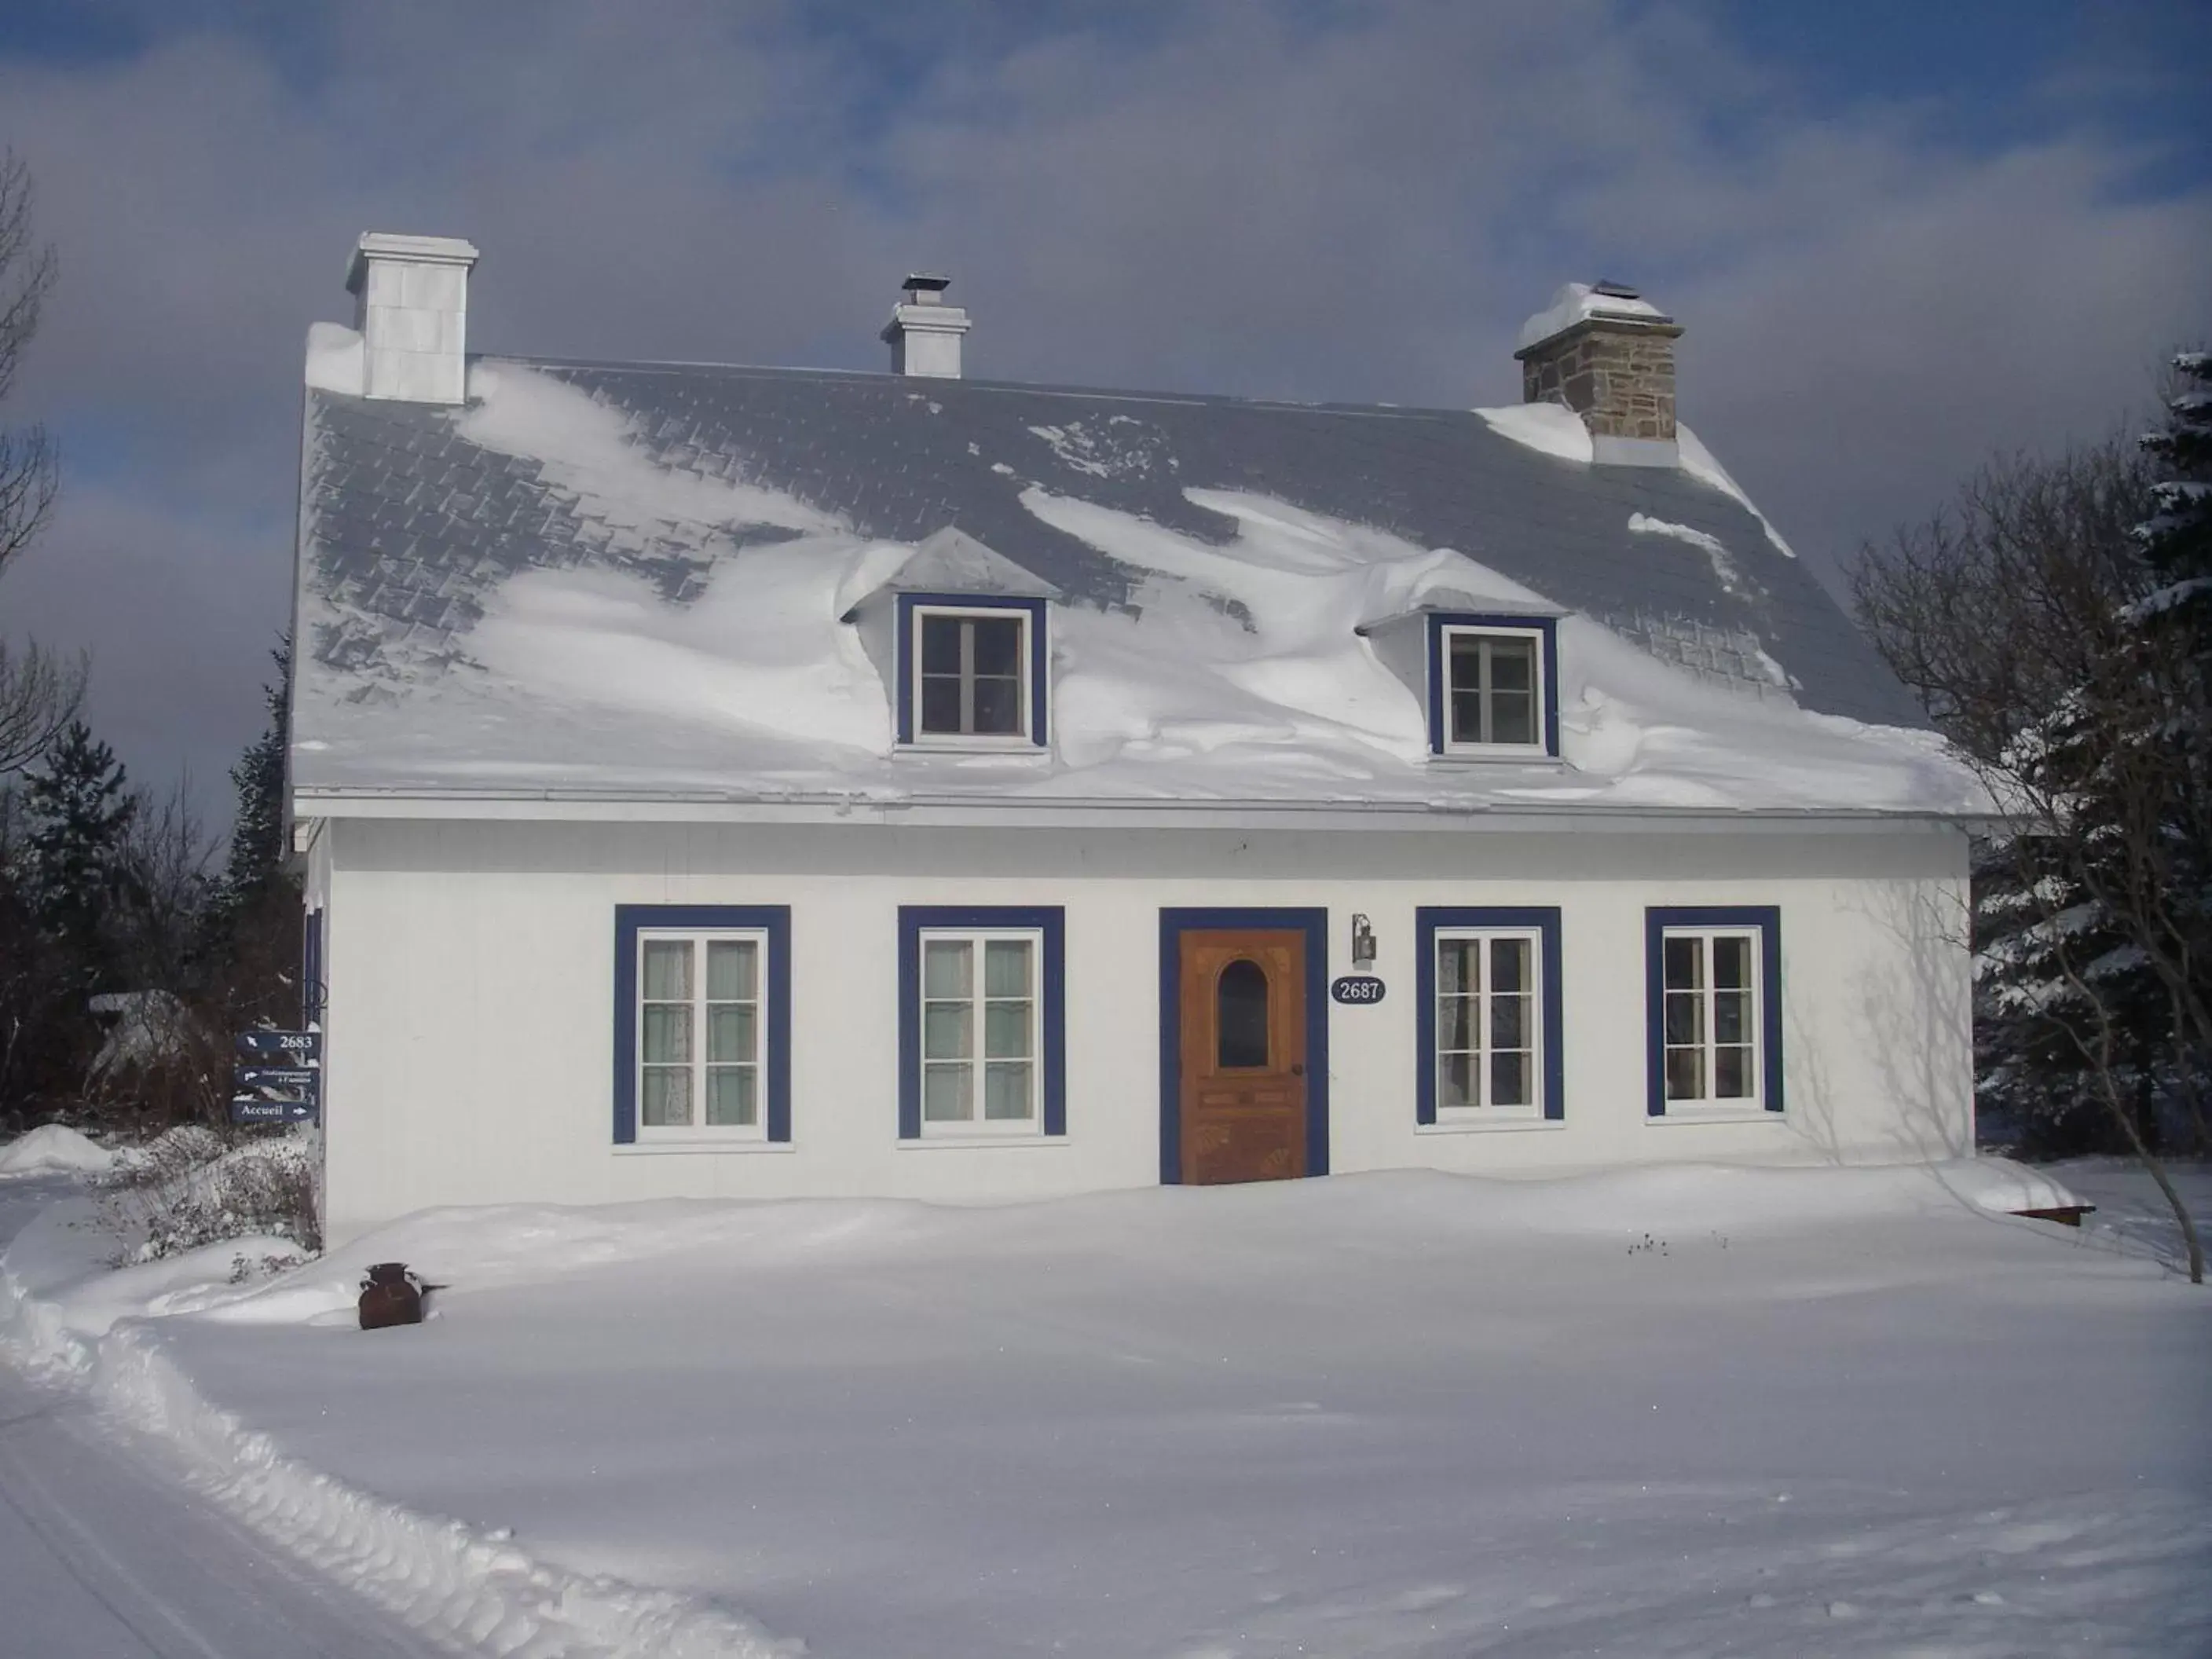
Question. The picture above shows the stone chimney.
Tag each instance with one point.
(411, 309)
(925, 333)
(1608, 354)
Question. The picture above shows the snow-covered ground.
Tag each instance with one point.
(1679, 1411)
(104, 1551)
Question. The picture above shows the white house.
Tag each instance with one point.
(734, 781)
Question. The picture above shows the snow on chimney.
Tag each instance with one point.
(923, 331)
(1606, 353)
(412, 311)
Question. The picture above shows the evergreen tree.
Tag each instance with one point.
(75, 871)
(257, 839)
(2176, 622)
(2177, 539)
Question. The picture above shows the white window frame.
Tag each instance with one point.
(1538, 708)
(1709, 1044)
(1531, 1112)
(701, 1132)
(1025, 694)
(976, 1126)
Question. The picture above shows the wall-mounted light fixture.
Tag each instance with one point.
(1363, 941)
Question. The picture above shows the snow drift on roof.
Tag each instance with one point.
(1233, 673)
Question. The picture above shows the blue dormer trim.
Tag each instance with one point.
(1544, 921)
(1765, 919)
(1547, 629)
(772, 919)
(1040, 652)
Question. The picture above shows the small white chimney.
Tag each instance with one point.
(411, 308)
(925, 333)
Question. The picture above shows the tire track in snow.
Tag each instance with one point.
(469, 1590)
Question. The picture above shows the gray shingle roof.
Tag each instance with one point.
(412, 525)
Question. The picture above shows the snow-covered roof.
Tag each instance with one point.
(633, 582)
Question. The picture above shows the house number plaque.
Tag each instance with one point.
(1355, 989)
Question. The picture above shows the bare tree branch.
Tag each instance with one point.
(2016, 617)
(29, 473)
(40, 695)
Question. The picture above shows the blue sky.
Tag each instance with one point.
(1902, 236)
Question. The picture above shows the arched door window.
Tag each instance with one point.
(1241, 1015)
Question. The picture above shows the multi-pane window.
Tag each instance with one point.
(980, 1032)
(1493, 690)
(700, 1033)
(1488, 1018)
(971, 674)
(1710, 1017)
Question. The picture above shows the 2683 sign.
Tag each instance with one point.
(278, 1077)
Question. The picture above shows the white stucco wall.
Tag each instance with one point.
(469, 1034)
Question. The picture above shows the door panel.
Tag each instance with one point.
(1243, 1061)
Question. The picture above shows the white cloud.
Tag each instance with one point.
(1221, 198)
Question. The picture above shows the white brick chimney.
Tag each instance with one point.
(411, 308)
(925, 333)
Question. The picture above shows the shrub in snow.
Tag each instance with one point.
(189, 1188)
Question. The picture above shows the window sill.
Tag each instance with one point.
(1536, 757)
(1002, 749)
(1714, 1115)
(1486, 1126)
(703, 1143)
(930, 1143)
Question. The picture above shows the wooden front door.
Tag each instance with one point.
(1243, 1020)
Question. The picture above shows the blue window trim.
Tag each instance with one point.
(773, 919)
(1428, 922)
(1049, 921)
(1173, 923)
(314, 992)
(1040, 653)
(1766, 921)
(1547, 627)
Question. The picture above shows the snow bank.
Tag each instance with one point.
(336, 360)
(1549, 428)
(1384, 1414)
(465, 1586)
(1701, 462)
(54, 1149)
(144, 1028)
(1555, 430)
(590, 448)
(1242, 682)
(1711, 546)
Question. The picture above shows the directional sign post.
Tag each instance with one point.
(278, 1078)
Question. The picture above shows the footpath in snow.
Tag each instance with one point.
(1678, 1412)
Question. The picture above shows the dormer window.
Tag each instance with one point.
(971, 674)
(972, 671)
(1493, 686)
